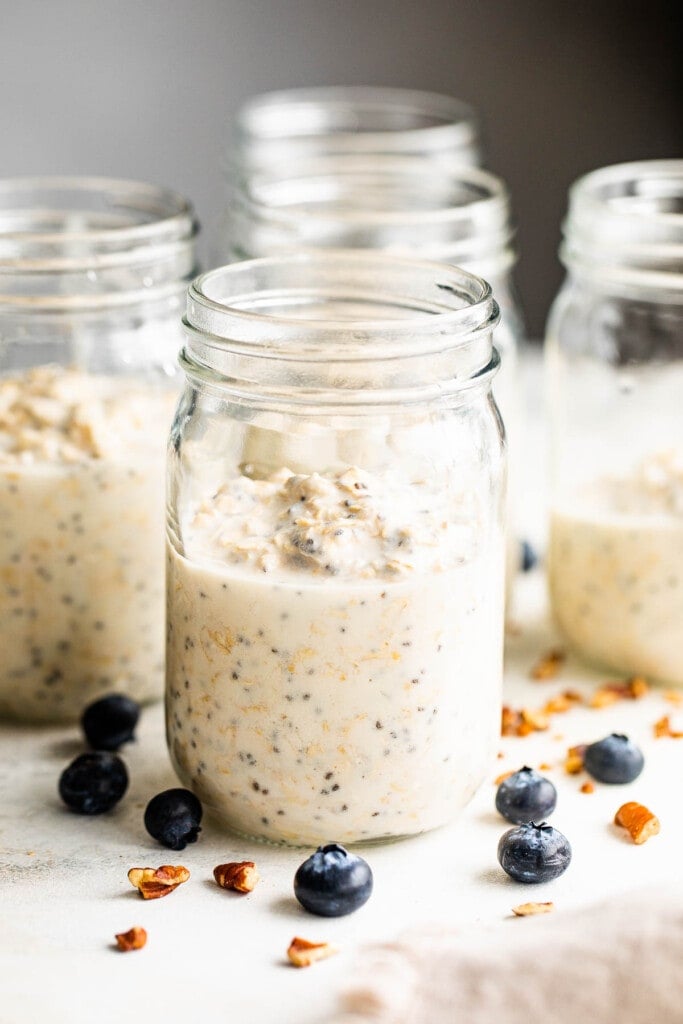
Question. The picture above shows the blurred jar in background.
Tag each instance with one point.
(303, 124)
(335, 584)
(93, 273)
(615, 380)
(400, 205)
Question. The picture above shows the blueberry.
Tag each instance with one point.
(333, 882)
(93, 783)
(528, 556)
(173, 818)
(534, 853)
(110, 722)
(615, 759)
(524, 796)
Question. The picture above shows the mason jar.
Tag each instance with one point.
(458, 216)
(276, 128)
(615, 379)
(92, 276)
(335, 546)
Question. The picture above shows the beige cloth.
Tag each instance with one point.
(617, 963)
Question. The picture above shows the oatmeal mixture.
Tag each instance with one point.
(81, 560)
(616, 570)
(334, 655)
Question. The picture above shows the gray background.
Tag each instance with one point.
(146, 89)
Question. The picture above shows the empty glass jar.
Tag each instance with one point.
(92, 276)
(615, 379)
(335, 580)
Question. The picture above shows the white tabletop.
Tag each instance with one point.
(218, 957)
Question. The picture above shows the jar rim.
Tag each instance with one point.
(625, 222)
(455, 122)
(83, 222)
(455, 306)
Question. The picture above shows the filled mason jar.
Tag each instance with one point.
(615, 379)
(92, 276)
(303, 124)
(335, 546)
(400, 205)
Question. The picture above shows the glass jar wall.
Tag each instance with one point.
(335, 580)
(615, 377)
(92, 276)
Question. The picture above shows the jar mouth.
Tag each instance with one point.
(361, 119)
(344, 303)
(626, 222)
(384, 202)
(52, 224)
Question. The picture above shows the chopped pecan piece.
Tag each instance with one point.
(240, 876)
(640, 822)
(674, 697)
(557, 705)
(548, 666)
(536, 720)
(511, 721)
(303, 953)
(527, 909)
(134, 938)
(603, 697)
(574, 761)
(663, 728)
(588, 787)
(153, 883)
(501, 778)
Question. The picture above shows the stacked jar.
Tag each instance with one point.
(295, 125)
(615, 375)
(335, 579)
(93, 273)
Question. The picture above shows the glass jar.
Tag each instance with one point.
(457, 216)
(335, 574)
(615, 378)
(302, 124)
(92, 276)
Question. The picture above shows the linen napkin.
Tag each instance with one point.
(619, 962)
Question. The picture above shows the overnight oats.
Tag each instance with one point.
(616, 571)
(86, 400)
(614, 357)
(335, 629)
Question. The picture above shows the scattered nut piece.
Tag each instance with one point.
(588, 787)
(638, 687)
(536, 720)
(545, 766)
(240, 876)
(152, 883)
(634, 688)
(134, 938)
(557, 705)
(574, 761)
(663, 728)
(511, 720)
(303, 953)
(638, 820)
(548, 666)
(674, 697)
(500, 755)
(527, 909)
(501, 778)
(604, 697)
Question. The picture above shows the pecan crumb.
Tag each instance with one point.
(548, 666)
(545, 766)
(674, 697)
(524, 722)
(134, 938)
(501, 778)
(153, 883)
(588, 787)
(527, 909)
(574, 761)
(239, 876)
(640, 822)
(303, 953)
(603, 697)
(663, 728)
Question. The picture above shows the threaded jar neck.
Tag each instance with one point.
(90, 243)
(340, 327)
(353, 120)
(624, 227)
